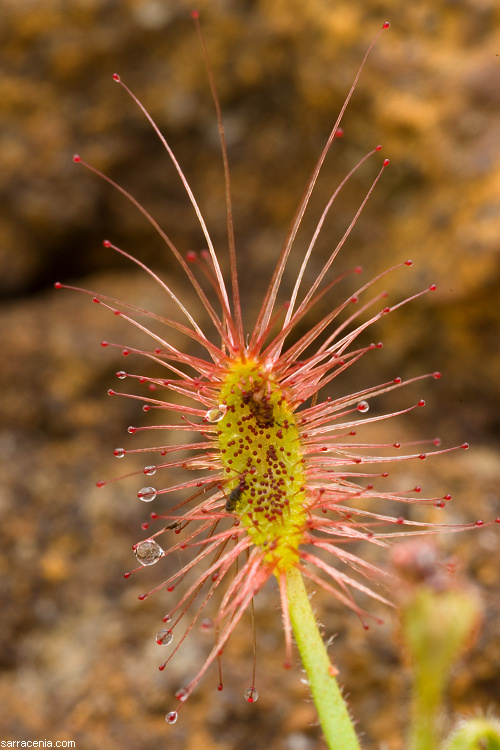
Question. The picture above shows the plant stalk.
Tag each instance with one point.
(332, 710)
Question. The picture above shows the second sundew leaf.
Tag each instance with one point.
(261, 453)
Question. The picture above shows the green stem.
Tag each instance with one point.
(332, 710)
(425, 710)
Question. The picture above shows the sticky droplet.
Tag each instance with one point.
(148, 552)
(363, 406)
(216, 414)
(150, 470)
(147, 494)
(164, 637)
(171, 717)
(251, 695)
(181, 694)
(119, 452)
(121, 375)
(207, 624)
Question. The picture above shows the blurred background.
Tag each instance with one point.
(77, 653)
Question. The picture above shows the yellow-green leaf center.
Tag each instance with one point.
(263, 464)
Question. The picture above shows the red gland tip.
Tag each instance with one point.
(432, 288)
(386, 25)
(339, 133)
(195, 14)
(378, 148)
(386, 162)
(436, 375)
(191, 256)
(77, 158)
(408, 262)
(465, 446)
(116, 77)
(57, 285)
(106, 243)
(100, 483)
(421, 402)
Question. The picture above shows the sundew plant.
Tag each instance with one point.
(275, 480)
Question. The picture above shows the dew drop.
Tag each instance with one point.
(164, 637)
(147, 494)
(363, 406)
(150, 470)
(148, 552)
(119, 452)
(251, 695)
(181, 694)
(121, 374)
(171, 717)
(216, 414)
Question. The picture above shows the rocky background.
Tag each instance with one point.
(77, 653)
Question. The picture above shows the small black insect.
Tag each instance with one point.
(234, 497)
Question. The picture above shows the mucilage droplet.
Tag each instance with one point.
(148, 552)
(147, 494)
(164, 637)
(251, 695)
(216, 414)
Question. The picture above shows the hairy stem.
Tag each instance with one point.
(333, 714)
